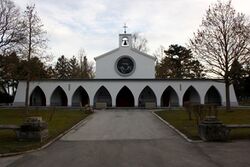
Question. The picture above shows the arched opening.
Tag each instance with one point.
(147, 97)
(191, 96)
(213, 96)
(80, 97)
(37, 97)
(103, 96)
(125, 98)
(169, 98)
(58, 97)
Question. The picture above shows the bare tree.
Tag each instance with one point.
(139, 42)
(86, 67)
(223, 37)
(35, 41)
(159, 53)
(10, 26)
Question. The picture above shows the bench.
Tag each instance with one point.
(101, 105)
(34, 128)
(15, 128)
(237, 126)
(150, 105)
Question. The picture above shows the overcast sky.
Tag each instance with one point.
(94, 25)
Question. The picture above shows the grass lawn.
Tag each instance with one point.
(179, 119)
(58, 121)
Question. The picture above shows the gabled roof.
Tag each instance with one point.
(142, 53)
(132, 49)
(107, 53)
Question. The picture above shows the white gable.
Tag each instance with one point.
(125, 62)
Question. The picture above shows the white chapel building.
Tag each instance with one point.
(125, 77)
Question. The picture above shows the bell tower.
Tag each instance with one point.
(125, 40)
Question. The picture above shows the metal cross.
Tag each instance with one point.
(125, 27)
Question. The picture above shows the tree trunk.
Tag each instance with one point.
(27, 94)
(28, 60)
(227, 85)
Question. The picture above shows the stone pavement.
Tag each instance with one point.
(131, 138)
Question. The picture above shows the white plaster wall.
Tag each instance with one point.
(105, 66)
(114, 86)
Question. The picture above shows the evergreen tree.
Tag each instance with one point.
(74, 68)
(62, 68)
(9, 72)
(179, 63)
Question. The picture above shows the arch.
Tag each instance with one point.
(125, 98)
(37, 97)
(103, 96)
(147, 95)
(213, 96)
(80, 97)
(191, 95)
(58, 97)
(169, 98)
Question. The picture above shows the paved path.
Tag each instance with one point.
(123, 125)
(132, 139)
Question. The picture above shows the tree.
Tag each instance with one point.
(179, 63)
(159, 53)
(11, 30)
(9, 69)
(139, 42)
(239, 77)
(223, 37)
(86, 68)
(38, 71)
(34, 42)
(12, 68)
(74, 68)
(62, 69)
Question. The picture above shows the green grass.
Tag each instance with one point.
(179, 119)
(58, 121)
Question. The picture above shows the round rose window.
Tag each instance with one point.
(125, 65)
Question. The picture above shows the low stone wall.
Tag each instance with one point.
(211, 129)
(34, 128)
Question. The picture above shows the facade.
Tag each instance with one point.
(124, 78)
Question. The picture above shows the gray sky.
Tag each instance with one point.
(94, 25)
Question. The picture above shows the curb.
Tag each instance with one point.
(82, 122)
(176, 130)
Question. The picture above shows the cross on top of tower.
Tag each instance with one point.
(125, 27)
